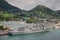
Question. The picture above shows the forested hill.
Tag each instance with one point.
(7, 7)
(39, 11)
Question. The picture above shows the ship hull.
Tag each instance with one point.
(20, 33)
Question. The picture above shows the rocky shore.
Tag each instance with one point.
(2, 33)
(4, 30)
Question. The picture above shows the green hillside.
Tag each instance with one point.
(13, 12)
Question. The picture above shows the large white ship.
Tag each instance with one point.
(34, 28)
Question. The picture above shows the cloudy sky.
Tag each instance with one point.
(29, 4)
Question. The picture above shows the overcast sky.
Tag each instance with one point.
(29, 4)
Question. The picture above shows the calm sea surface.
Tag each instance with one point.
(52, 35)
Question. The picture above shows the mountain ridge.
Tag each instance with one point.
(39, 11)
(6, 6)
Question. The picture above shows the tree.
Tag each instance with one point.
(31, 20)
(6, 16)
(1, 27)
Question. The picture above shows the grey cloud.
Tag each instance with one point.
(29, 4)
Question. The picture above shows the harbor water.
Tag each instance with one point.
(52, 35)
